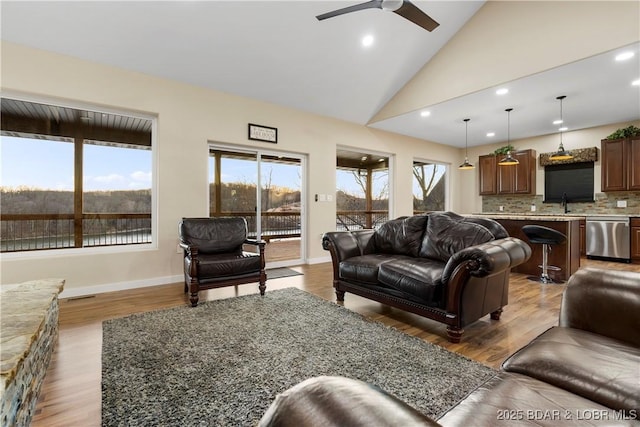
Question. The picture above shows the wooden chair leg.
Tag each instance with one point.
(193, 296)
(454, 334)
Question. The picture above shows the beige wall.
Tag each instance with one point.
(507, 40)
(471, 201)
(188, 117)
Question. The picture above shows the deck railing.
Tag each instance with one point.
(19, 232)
(358, 220)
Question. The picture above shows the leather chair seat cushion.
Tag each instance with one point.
(224, 265)
(401, 236)
(594, 366)
(364, 268)
(447, 235)
(418, 277)
(516, 400)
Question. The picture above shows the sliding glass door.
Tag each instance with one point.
(265, 188)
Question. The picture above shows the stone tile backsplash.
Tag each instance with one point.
(605, 203)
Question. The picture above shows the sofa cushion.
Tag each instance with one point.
(363, 268)
(445, 235)
(494, 227)
(594, 366)
(516, 400)
(420, 278)
(401, 236)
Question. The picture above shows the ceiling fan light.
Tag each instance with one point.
(391, 5)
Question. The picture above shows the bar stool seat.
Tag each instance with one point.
(547, 237)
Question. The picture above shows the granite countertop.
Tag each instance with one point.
(528, 217)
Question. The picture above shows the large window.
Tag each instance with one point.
(73, 178)
(362, 190)
(429, 186)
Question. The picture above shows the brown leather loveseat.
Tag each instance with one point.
(583, 372)
(441, 265)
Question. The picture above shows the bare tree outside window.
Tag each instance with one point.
(428, 186)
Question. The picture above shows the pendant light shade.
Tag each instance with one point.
(561, 154)
(509, 160)
(466, 165)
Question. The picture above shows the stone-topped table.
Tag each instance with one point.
(28, 333)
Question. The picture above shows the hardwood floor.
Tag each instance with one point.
(71, 394)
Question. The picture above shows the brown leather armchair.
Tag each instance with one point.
(214, 255)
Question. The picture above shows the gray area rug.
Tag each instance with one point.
(277, 273)
(223, 362)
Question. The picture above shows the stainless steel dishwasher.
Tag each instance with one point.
(608, 237)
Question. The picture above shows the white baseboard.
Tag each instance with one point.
(120, 286)
(153, 281)
(319, 260)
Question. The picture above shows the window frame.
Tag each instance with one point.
(104, 249)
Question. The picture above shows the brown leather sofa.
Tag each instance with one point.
(584, 372)
(441, 265)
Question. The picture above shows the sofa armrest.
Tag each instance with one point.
(255, 242)
(605, 302)
(190, 250)
(488, 258)
(347, 244)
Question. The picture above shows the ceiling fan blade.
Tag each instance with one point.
(411, 12)
(373, 4)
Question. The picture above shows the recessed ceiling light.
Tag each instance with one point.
(491, 134)
(367, 40)
(624, 56)
(380, 160)
(502, 91)
(557, 122)
(425, 113)
(562, 129)
(636, 82)
(363, 158)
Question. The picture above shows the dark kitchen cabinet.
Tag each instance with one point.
(620, 164)
(583, 237)
(520, 178)
(635, 240)
(487, 169)
(514, 179)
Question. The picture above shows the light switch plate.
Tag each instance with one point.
(621, 204)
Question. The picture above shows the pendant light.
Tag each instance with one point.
(466, 165)
(509, 160)
(561, 154)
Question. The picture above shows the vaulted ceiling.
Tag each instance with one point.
(278, 52)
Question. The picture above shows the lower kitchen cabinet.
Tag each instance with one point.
(635, 240)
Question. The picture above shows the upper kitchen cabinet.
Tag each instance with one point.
(487, 168)
(513, 179)
(621, 164)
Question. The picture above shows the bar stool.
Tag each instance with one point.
(547, 237)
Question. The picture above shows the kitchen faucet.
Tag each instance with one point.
(564, 202)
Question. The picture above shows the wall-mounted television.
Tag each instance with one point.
(573, 179)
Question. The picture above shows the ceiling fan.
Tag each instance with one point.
(404, 8)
